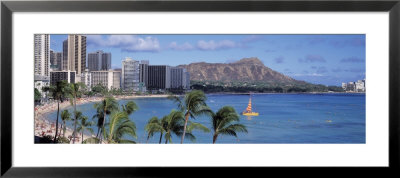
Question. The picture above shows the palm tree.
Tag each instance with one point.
(130, 107)
(65, 116)
(222, 123)
(100, 119)
(193, 105)
(104, 108)
(119, 125)
(37, 96)
(91, 140)
(84, 125)
(174, 124)
(75, 92)
(58, 92)
(154, 126)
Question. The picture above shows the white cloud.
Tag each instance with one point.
(251, 38)
(215, 45)
(125, 42)
(183, 47)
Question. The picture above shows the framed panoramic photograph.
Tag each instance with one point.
(141, 88)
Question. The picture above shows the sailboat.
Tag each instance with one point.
(248, 111)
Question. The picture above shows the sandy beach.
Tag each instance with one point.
(44, 126)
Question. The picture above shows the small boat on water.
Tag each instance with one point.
(248, 111)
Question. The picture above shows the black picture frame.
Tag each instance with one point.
(8, 7)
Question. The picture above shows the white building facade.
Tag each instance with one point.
(110, 79)
(41, 81)
(42, 54)
(130, 75)
(358, 86)
(85, 78)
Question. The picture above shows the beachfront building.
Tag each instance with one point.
(344, 86)
(159, 77)
(110, 79)
(56, 76)
(85, 78)
(55, 60)
(42, 54)
(143, 75)
(74, 54)
(130, 75)
(351, 86)
(360, 86)
(348, 86)
(64, 61)
(186, 80)
(99, 60)
(120, 77)
(41, 81)
(177, 78)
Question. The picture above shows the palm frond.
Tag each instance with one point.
(65, 115)
(178, 101)
(119, 126)
(126, 141)
(196, 126)
(223, 122)
(237, 128)
(202, 110)
(127, 127)
(130, 107)
(190, 136)
(227, 132)
(91, 140)
(90, 130)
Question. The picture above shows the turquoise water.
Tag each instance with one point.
(284, 118)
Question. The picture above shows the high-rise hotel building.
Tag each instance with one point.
(99, 60)
(55, 60)
(159, 77)
(110, 79)
(144, 72)
(143, 75)
(74, 54)
(42, 54)
(186, 79)
(177, 77)
(180, 78)
(130, 74)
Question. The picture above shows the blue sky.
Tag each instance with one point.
(319, 59)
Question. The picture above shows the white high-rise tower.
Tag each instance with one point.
(130, 74)
(42, 54)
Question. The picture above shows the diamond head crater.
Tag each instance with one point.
(247, 75)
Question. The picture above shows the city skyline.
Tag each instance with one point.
(318, 59)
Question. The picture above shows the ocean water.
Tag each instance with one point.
(284, 118)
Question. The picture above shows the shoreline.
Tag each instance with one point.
(230, 93)
(44, 126)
